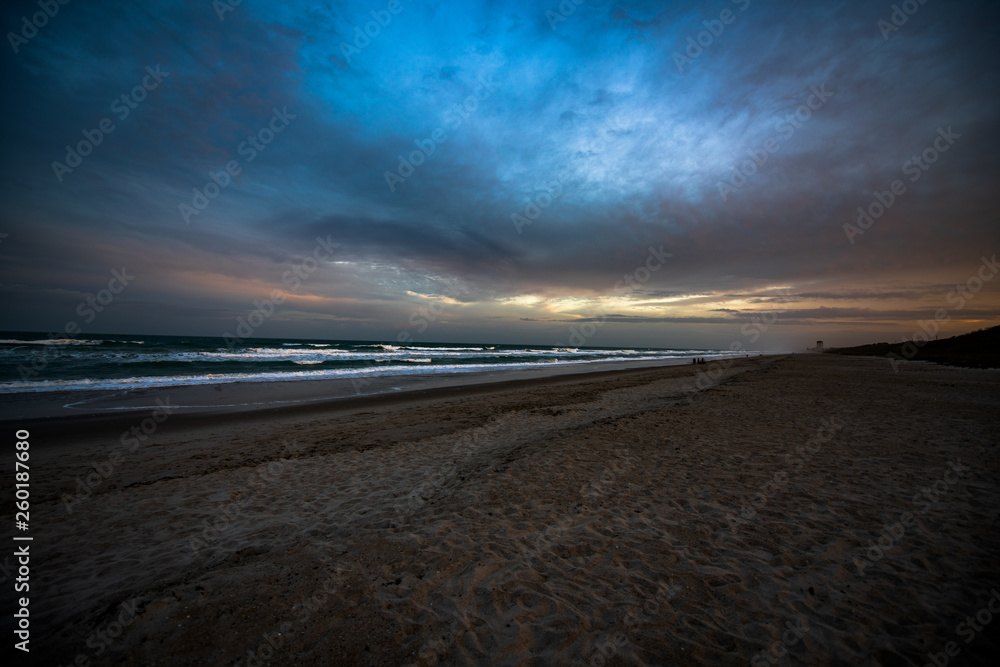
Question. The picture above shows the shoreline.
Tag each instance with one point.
(543, 520)
(100, 406)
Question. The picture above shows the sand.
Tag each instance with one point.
(774, 516)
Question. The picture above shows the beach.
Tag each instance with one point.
(790, 509)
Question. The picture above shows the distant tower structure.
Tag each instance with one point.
(819, 345)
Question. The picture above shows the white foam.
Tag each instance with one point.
(417, 366)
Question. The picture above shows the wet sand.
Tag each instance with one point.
(254, 397)
(618, 518)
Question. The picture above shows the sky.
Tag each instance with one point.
(656, 174)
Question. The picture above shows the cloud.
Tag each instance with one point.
(590, 122)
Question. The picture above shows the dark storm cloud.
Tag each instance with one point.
(586, 128)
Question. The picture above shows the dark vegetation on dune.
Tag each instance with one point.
(979, 349)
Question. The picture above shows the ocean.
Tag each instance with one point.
(34, 362)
